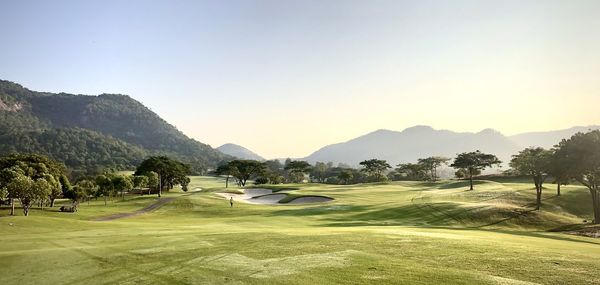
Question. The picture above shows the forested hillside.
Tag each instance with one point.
(89, 133)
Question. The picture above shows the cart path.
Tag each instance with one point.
(142, 211)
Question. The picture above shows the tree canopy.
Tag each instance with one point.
(474, 161)
(581, 156)
(171, 172)
(533, 162)
(375, 168)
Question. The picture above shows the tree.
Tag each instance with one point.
(243, 170)
(170, 171)
(345, 176)
(431, 165)
(139, 182)
(559, 169)
(85, 190)
(56, 189)
(462, 173)
(581, 157)
(412, 171)
(185, 181)
(152, 180)
(227, 170)
(474, 161)
(105, 186)
(28, 191)
(319, 172)
(122, 183)
(534, 162)
(46, 176)
(375, 169)
(297, 169)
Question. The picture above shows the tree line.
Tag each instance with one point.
(573, 159)
(33, 179)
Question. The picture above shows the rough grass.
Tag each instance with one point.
(398, 233)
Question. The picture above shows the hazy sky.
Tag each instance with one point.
(284, 78)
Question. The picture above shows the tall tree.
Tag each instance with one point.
(412, 171)
(559, 169)
(297, 169)
(345, 176)
(245, 169)
(227, 170)
(534, 162)
(473, 162)
(319, 172)
(121, 184)
(581, 156)
(105, 186)
(170, 171)
(44, 173)
(431, 164)
(56, 189)
(375, 168)
(139, 182)
(152, 180)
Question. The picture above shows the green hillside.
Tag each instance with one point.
(397, 233)
(92, 131)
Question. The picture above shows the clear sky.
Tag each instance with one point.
(285, 78)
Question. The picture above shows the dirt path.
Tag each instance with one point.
(144, 210)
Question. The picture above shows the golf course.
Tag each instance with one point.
(399, 232)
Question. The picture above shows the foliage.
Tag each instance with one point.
(32, 178)
(243, 170)
(171, 172)
(375, 169)
(431, 164)
(533, 162)
(581, 156)
(412, 171)
(474, 161)
(90, 133)
(296, 170)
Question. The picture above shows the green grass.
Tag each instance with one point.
(397, 233)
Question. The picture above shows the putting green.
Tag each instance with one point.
(398, 233)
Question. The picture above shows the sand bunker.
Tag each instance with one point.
(310, 200)
(267, 197)
(253, 196)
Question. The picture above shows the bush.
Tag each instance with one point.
(68, 209)
(261, 180)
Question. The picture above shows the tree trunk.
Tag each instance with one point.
(227, 181)
(558, 188)
(52, 203)
(104, 200)
(538, 190)
(471, 179)
(25, 209)
(12, 208)
(159, 186)
(596, 205)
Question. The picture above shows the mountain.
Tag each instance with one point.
(549, 139)
(89, 133)
(423, 141)
(239, 152)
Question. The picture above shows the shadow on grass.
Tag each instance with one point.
(460, 184)
(318, 210)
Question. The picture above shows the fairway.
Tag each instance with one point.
(396, 233)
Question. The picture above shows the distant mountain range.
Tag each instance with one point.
(239, 152)
(423, 141)
(90, 133)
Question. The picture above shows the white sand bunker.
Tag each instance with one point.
(255, 196)
(267, 197)
(310, 200)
